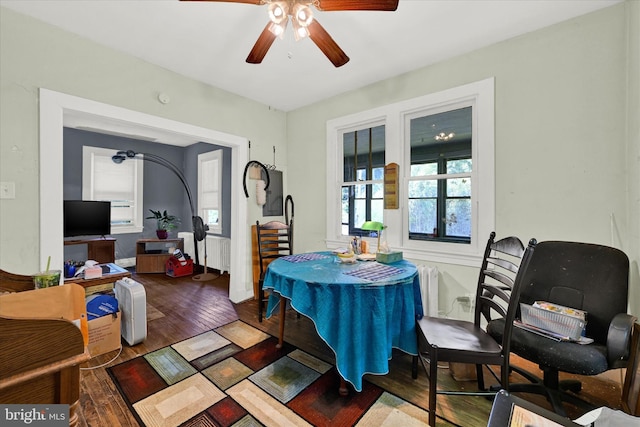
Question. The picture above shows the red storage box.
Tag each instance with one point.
(176, 268)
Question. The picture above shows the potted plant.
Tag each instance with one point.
(165, 223)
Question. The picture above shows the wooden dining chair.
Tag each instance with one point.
(461, 341)
(274, 241)
(10, 282)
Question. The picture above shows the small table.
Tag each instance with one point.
(103, 283)
(154, 262)
(362, 310)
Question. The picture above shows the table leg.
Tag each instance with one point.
(283, 310)
(343, 387)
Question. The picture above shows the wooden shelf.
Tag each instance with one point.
(102, 250)
(154, 262)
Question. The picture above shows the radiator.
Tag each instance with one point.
(429, 289)
(218, 251)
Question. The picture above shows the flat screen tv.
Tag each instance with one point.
(87, 218)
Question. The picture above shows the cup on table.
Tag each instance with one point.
(46, 279)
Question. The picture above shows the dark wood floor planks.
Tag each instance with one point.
(187, 308)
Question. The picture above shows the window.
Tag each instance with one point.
(121, 184)
(439, 183)
(443, 144)
(209, 190)
(362, 187)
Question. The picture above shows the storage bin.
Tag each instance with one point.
(559, 323)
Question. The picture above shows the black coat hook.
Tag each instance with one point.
(244, 177)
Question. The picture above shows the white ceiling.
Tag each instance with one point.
(209, 41)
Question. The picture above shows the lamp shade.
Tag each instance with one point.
(372, 226)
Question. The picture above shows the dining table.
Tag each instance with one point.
(362, 310)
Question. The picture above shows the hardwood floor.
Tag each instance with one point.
(180, 308)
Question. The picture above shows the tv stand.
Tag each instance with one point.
(102, 249)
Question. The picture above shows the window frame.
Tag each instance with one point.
(396, 117)
(88, 180)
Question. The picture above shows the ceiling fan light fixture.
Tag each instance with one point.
(299, 31)
(278, 11)
(278, 29)
(444, 136)
(302, 14)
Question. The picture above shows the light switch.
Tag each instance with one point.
(7, 190)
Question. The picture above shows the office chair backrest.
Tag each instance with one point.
(588, 277)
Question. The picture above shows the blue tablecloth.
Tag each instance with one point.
(360, 319)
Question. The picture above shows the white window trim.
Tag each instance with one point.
(88, 153)
(211, 155)
(395, 118)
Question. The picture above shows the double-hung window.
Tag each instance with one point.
(209, 189)
(121, 184)
(439, 181)
(443, 144)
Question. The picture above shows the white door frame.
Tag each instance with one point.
(53, 108)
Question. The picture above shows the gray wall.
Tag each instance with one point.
(162, 188)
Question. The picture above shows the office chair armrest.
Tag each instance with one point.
(619, 339)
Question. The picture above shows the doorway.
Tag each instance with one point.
(58, 109)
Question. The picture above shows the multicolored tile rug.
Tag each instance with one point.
(235, 376)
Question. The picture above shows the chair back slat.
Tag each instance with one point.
(499, 269)
(274, 241)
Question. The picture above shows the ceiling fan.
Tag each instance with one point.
(301, 17)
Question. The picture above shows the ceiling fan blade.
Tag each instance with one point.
(258, 2)
(261, 47)
(327, 45)
(333, 5)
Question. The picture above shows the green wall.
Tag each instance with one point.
(561, 137)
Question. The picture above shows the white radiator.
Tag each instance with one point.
(429, 289)
(218, 251)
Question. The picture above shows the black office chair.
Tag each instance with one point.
(460, 341)
(274, 241)
(583, 276)
(631, 388)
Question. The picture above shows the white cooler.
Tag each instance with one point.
(132, 300)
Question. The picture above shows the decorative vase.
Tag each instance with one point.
(162, 234)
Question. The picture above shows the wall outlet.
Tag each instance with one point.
(7, 190)
(466, 302)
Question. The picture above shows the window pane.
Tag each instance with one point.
(459, 187)
(359, 213)
(363, 160)
(423, 216)
(377, 191)
(362, 151)
(345, 206)
(378, 173)
(360, 191)
(458, 218)
(424, 169)
(377, 211)
(459, 166)
(211, 216)
(419, 189)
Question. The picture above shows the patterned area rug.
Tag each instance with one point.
(235, 376)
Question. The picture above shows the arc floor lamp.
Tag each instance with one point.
(199, 228)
